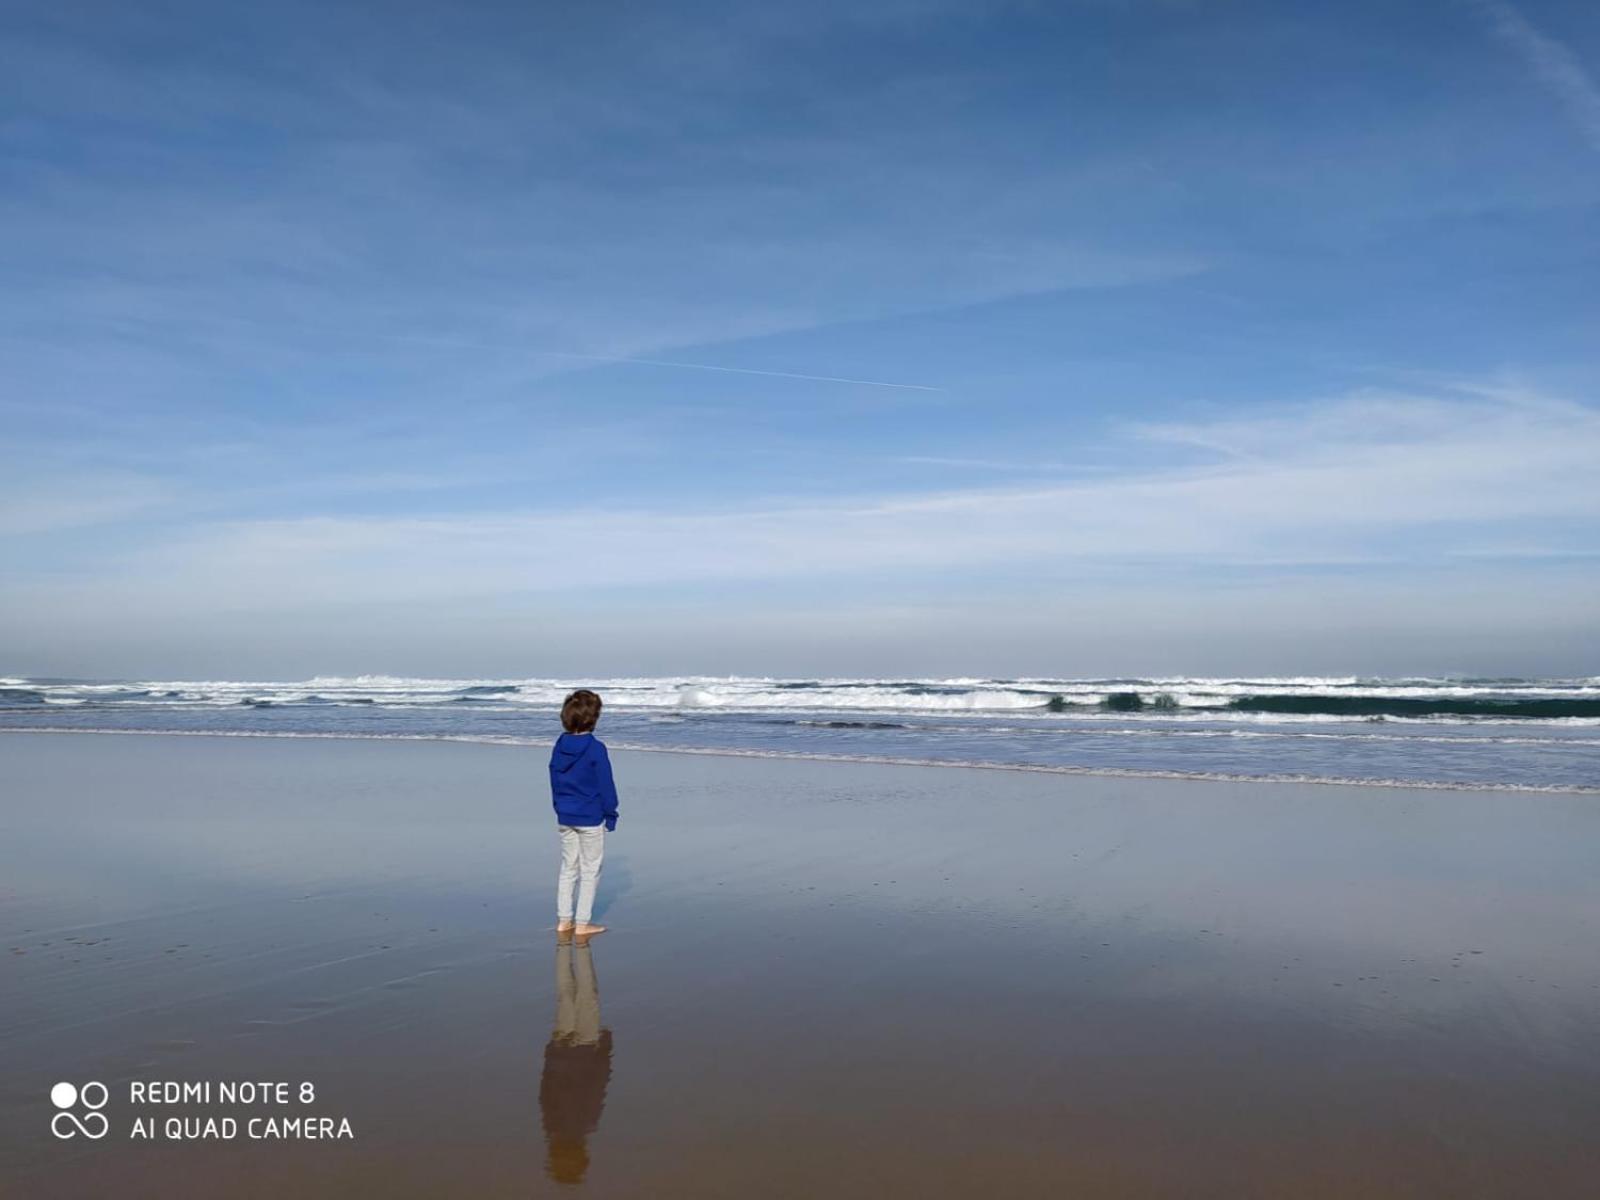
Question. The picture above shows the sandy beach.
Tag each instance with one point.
(822, 979)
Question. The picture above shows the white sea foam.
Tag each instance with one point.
(929, 695)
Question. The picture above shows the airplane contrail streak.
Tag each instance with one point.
(471, 343)
(690, 366)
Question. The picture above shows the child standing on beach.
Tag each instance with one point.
(585, 799)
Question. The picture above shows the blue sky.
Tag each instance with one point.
(912, 337)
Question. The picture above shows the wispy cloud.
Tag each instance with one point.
(64, 503)
(1331, 483)
(1553, 64)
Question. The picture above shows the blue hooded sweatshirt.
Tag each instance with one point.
(581, 786)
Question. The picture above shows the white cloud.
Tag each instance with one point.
(1363, 479)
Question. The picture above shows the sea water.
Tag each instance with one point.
(1473, 733)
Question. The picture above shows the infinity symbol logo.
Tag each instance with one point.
(92, 1124)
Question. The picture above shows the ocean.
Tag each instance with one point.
(1495, 734)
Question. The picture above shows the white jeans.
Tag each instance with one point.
(582, 848)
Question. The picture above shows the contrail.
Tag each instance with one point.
(1555, 66)
(689, 366)
(469, 344)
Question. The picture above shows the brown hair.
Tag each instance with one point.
(581, 711)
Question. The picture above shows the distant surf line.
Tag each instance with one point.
(1431, 785)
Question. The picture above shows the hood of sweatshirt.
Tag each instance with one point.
(570, 749)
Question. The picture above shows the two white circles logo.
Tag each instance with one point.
(66, 1123)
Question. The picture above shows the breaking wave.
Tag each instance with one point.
(1297, 696)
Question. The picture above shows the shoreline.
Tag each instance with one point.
(862, 759)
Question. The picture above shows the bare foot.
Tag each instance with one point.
(588, 931)
(564, 936)
(563, 926)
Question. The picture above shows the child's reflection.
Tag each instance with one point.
(577, 1064)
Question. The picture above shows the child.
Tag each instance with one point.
(585, 799)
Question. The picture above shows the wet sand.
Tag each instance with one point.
(823, 979)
